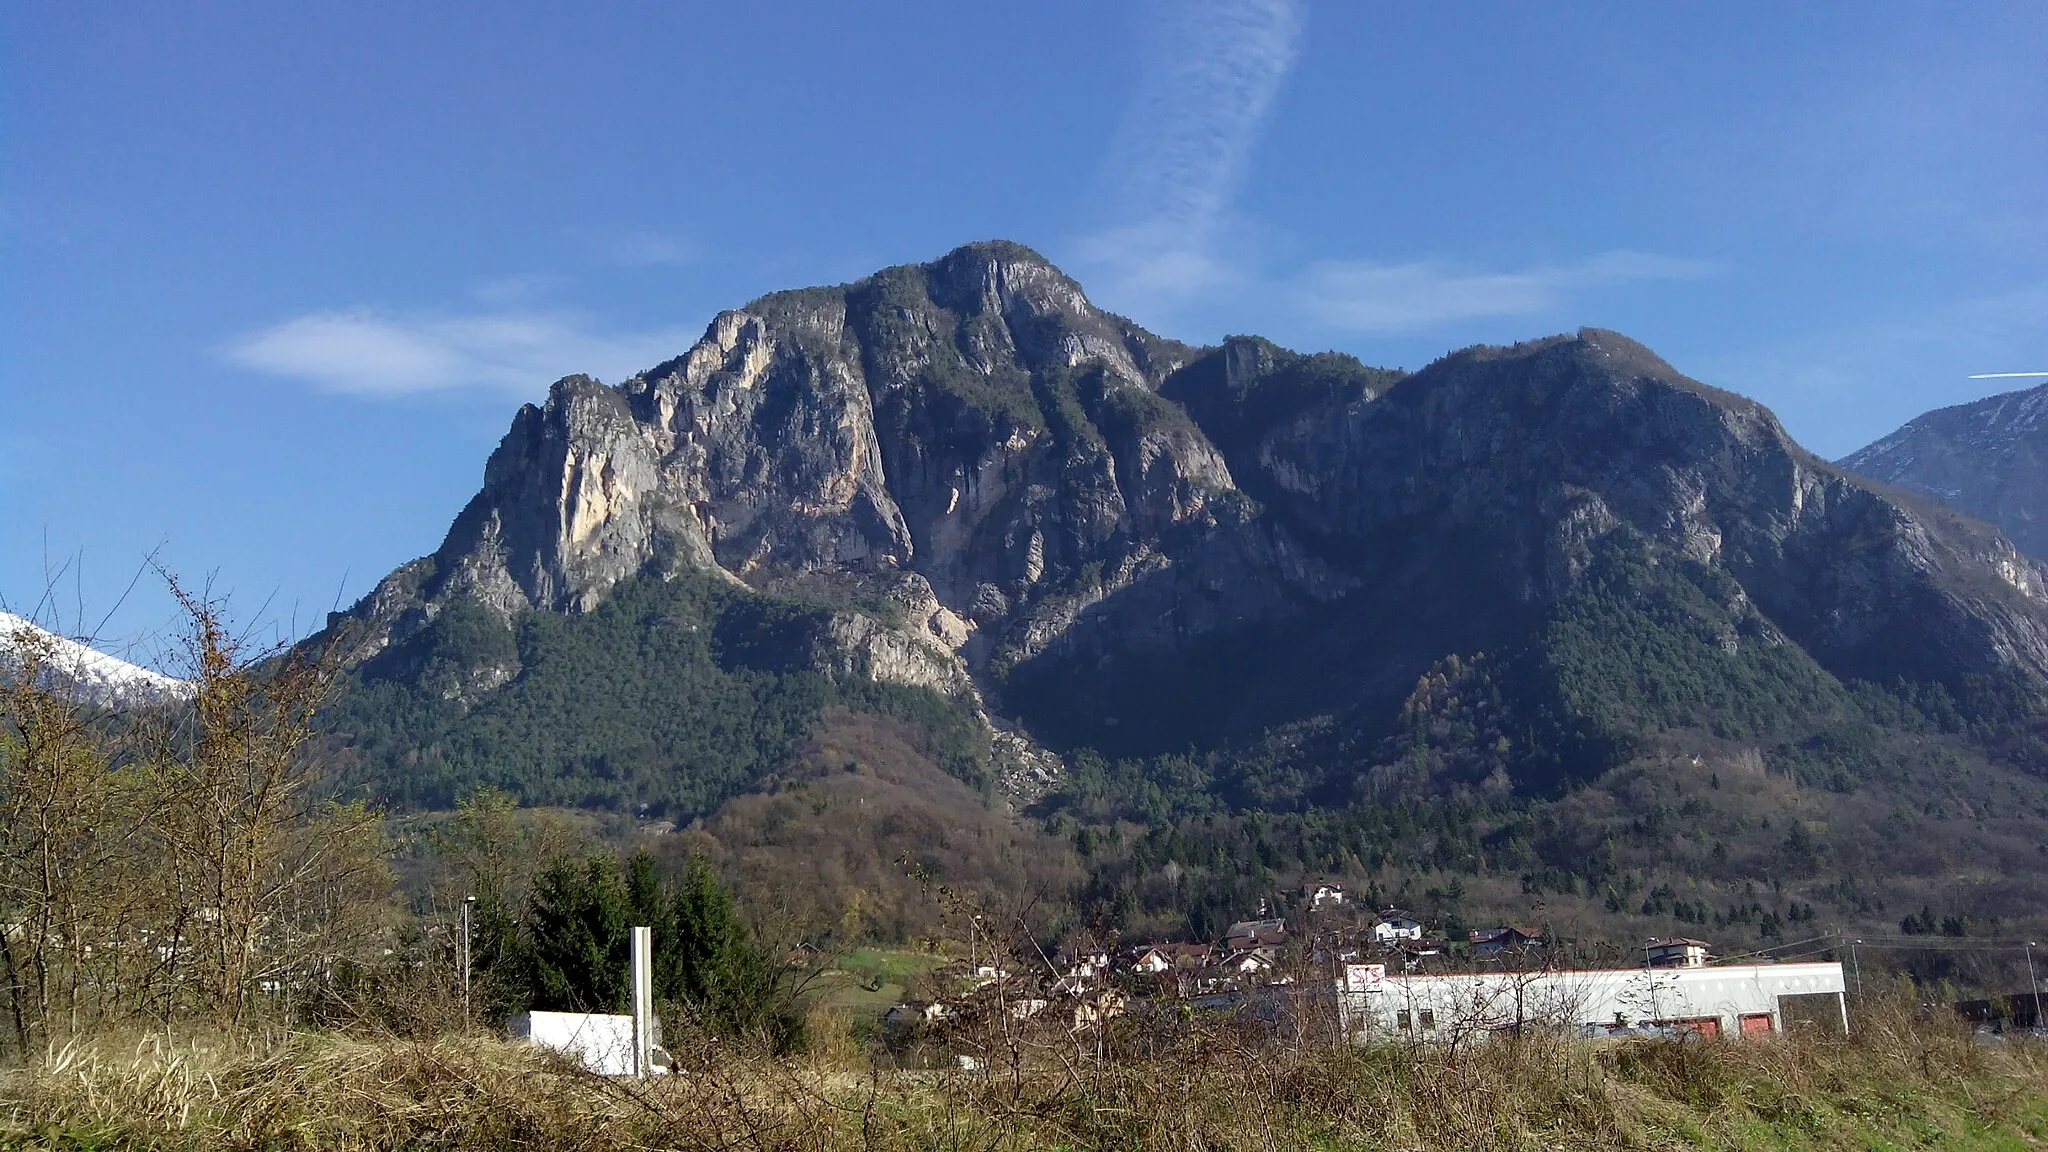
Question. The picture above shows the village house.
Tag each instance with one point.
(1150, 960)
(1396, 925)
(1320, 896)
(1416, 955)
(1335, 952)
(1085, 963)
(1186, 965)
(1490, 943)
(1102, 1005)
(1677, 952)
(968, 976)
(1251, 962)
(914, 1012)
(1248, 934)
(1187, 957)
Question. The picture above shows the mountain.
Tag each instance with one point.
(1988, 458)
(96, 676)
(1236, 612)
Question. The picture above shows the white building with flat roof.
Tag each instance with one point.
(1728, 1000)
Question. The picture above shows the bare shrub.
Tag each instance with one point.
(177, 861)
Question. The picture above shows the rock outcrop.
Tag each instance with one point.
(974, 421)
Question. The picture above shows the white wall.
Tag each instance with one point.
(602, 1043)
(1572, 999)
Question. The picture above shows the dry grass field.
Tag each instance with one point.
(1903, 1081)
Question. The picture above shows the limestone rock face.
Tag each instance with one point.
(974, 421)
(1052, 509)
(920, 648)
(1988, 458)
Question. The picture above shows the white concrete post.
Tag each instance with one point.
(468, 902)
(643, 1000)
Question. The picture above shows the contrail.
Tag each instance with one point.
(1216, 67)
(1212, 72)
(2004, 375)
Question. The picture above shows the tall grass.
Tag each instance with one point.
(1902, 1081)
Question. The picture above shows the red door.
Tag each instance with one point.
(1757, 1024)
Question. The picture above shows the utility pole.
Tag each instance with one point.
(468, 902)
(2039, 1023)
(1656, 1014)
(1856, 965)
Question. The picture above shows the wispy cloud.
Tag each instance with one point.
(1210, 82)
(649, 250)
(368, 353)
(1211, 75)
(1372, 298)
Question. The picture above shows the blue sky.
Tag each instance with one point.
(273, 277)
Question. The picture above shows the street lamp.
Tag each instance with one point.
(468, 902)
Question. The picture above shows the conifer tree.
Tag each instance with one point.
(649, 902)
(578, 936)
(712, 951)
(724, 974)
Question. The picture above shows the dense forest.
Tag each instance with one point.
(668, 699)
(1651, 756)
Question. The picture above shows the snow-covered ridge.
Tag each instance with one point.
(1990, 427)
(1988, 458)
(96, 675)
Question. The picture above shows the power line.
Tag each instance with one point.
(1887, 941)
(1950, 943)
(1770, 948)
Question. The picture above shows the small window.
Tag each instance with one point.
(1429, 1018)
(1401, 1020)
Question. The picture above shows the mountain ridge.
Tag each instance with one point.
(1988, 458)
(99, 677)
(1122, 579)
(1033, 484)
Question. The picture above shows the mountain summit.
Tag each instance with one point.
(984, 487)
(866, 556)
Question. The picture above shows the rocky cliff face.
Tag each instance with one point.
(1989, 459)
(972, 430)
(1110, 532)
